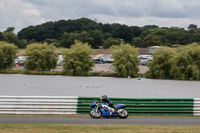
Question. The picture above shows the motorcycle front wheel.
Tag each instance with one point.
(123, 114)
(95, 114)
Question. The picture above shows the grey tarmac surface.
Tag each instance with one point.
(101, 121)
(44, 85)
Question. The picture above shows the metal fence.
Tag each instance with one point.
(197, 106)
(38, 105)
(144, 106)
(80, 105)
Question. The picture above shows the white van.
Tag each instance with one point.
(60, 59)
(20, 59)
(144, 56)
(150, 58)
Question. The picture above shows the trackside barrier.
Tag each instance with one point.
(38, 104)
(147, 106)
(196, 106)
(80, 105)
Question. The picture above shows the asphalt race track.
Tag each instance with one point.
(102, 121)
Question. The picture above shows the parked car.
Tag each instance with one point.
(144, 56)
(144, 62)
(98, 60)
(150, 58)
(20, 60)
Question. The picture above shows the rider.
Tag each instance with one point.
(105, 100)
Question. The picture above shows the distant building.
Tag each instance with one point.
(151, 49)
(141, 51)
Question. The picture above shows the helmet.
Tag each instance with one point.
(104, 97)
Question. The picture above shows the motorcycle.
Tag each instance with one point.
(104, 110)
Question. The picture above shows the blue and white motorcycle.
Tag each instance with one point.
(103, 110)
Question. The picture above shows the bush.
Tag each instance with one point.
(160, 66)
(125, 60)
(7, 55)
(31, 72)
(77, 60)
(41, 57)
(186, 63)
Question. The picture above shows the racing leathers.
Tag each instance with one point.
(107, 101)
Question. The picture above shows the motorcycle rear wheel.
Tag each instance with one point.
(95, 114)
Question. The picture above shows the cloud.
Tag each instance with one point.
(22, 13)
(148, 20)
(18, 14)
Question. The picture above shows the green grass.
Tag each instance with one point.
(22, 71)
(87, 115)
(31, 72)
(58, 128)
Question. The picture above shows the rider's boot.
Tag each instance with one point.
(115, 110)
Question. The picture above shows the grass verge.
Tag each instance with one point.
(87, 115)
(57, 128)
(22, 71)
(31, 72)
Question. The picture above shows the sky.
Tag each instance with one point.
(164, 13)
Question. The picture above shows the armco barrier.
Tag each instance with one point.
(197, 106)
(144, 106)
(80, 105)
(38, 104)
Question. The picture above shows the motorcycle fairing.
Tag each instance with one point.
(121, 106)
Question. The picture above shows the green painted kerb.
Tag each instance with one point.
(144, 106)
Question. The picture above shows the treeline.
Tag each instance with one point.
(182, 63)
(63, 33)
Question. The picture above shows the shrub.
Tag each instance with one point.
(125, 60)
(77, 60)
(160, 66)
(7, 55)
(186, 63)
(41, 57)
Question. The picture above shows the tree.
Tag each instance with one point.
(97, 38)
(50, 41)
(77, 60)
(136, 31)
(192, 28)
(7, 55)
(111, 41)
(123, 32)
(10, 37)
(148, 29)
(68, 39)
(177, 35)
(22, 43)
(186, 63)
(195, 37)
(1, 36)
(136, 41)
(125, 60)
(151, 40)
(41, 57)
(160, 66)
(9, 29)
(85, 37)
(54, 30)
(107, 35)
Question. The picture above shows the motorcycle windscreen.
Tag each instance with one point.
(121, 106)
(93, 104)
